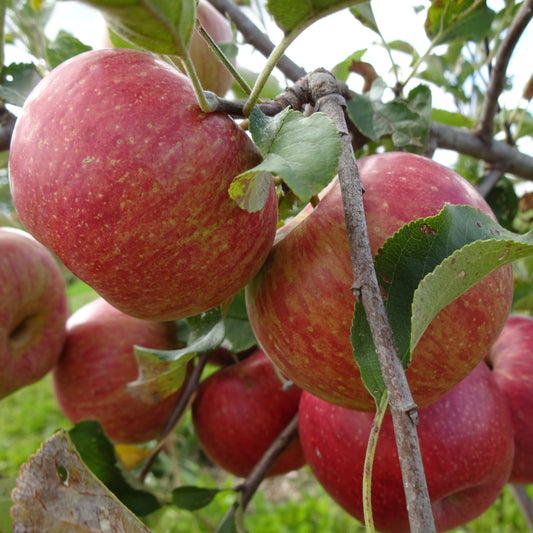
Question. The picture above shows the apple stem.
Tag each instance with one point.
(224, 60)
(202, 97)
(369, 461)
(261, 80)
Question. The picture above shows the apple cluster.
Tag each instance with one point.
(116, 171)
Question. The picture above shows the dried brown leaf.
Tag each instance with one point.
(56, 493)
(366, 71)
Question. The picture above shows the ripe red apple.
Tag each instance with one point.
(466, 442)
(511, 359)
(114, 167)
(96, 364)
(239, 411)
(300, 304)
(33, 310)
(213, 75)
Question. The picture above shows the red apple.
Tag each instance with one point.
(300, 304)
(466, 442)
(511, 359)
(213, 75)
(239, 411)
(114, 167)
(96, 364)
(33, 310)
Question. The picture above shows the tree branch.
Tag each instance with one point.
(499, 154)
(327, 99)
(497, 78)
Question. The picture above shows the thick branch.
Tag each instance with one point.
(255, 37)
(497, 78)
(498, 154)
(324, 92)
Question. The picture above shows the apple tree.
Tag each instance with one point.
(315, 266)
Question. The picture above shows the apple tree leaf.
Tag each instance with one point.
(161, 26)
(55, 491)
(237, 326)
(289, 144)
(364, 14)
(162, 372)
(296, 15)
(99, 455)
(342, 70)
(17, 81)
(194, 498)
(64, 47)
(422, 268)
(458, 19)
(406, 120)
(228, 524)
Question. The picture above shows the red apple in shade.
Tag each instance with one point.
(466, 442)
(98, 361)
(33, 310)
(115, 168)
(300, 303)
(213, 75)
(511, 359)
(239, 411)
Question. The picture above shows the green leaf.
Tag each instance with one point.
(193, 498)
(288, 142)
(451, 118)
(64, 47)
(228, 524)
(364, 14)
(425, 266)
(17, 81)
(342, 70)
(98, 453)
(504, 202)
(161, 26)
(162, 372)
(406, 120)
(238, 330)
(458, 19)
(298, 14)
